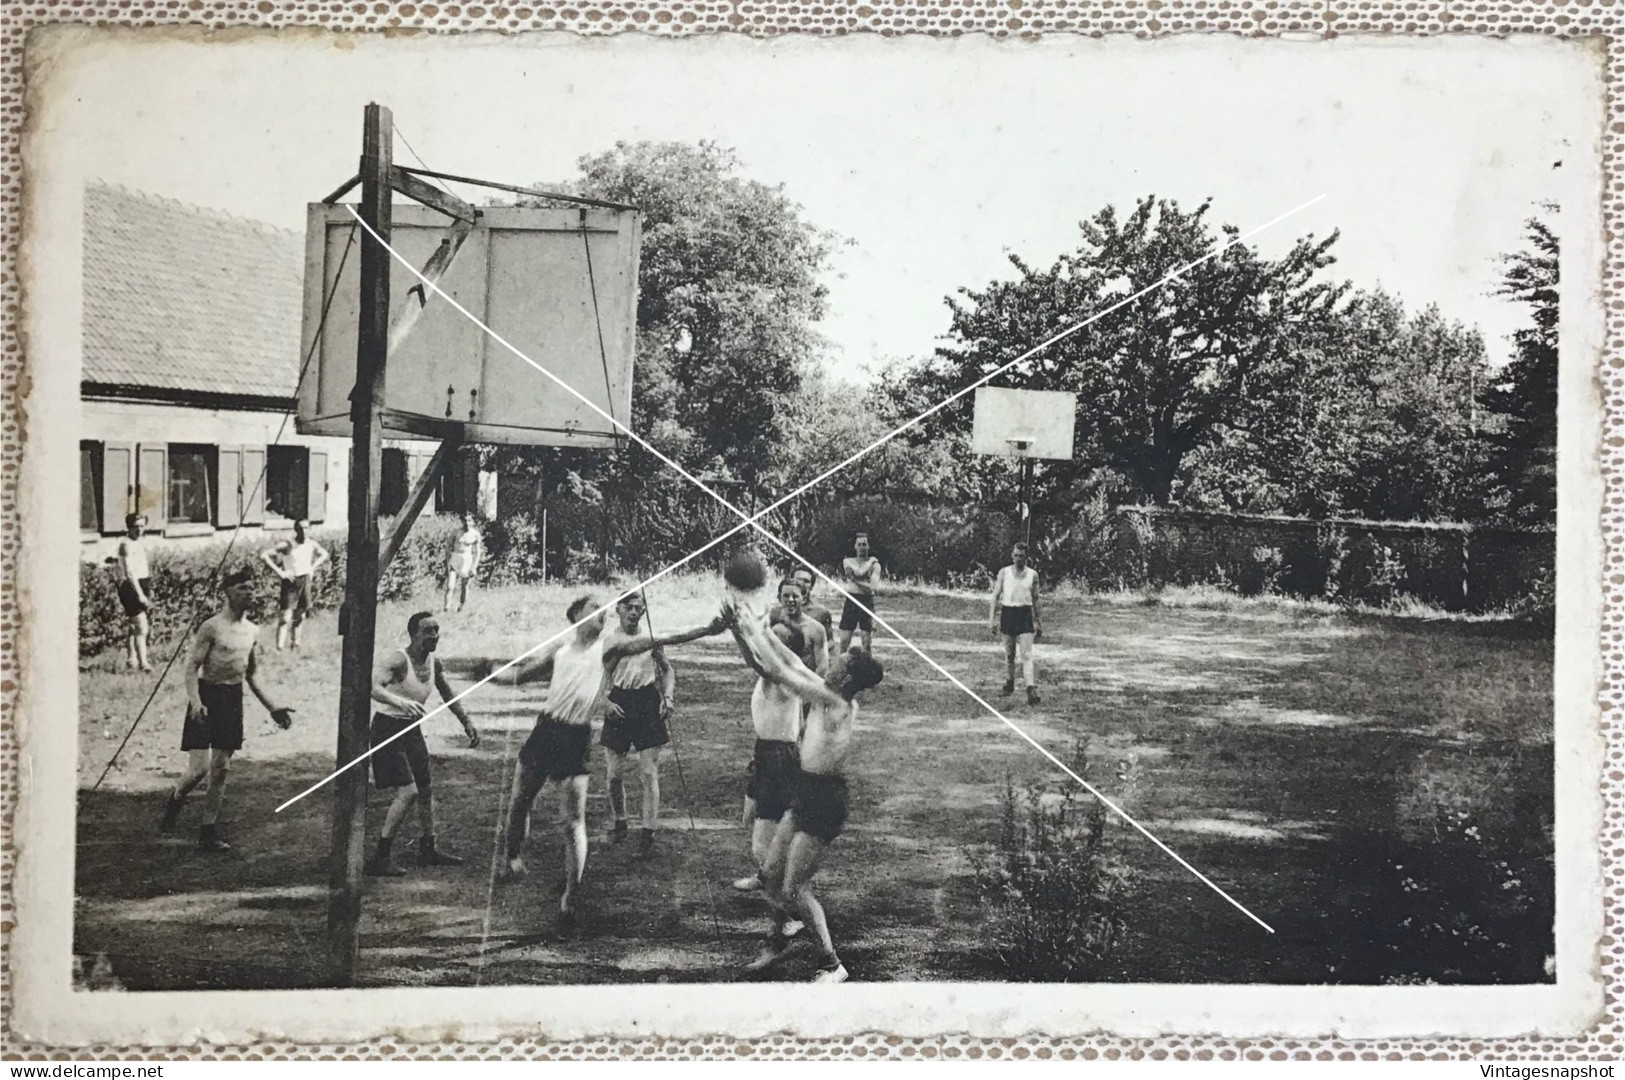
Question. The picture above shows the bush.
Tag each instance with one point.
(1053, 892)
(185, 591)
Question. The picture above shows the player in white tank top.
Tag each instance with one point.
(1014, 615)
(466, 552)
(401, 682)
(557, 750)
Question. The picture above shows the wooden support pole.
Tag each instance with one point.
(361, 579)
(419, 497)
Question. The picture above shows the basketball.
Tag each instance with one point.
(745, 571)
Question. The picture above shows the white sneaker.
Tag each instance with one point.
(792, 927)
(837, 974)
(749, 884)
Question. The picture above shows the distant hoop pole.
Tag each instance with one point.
(1021, 444)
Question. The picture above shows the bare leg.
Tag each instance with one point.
(399, 807)
(451, 585)
(1009, 659)
(573, 804)
(298, 623)
(868, 640)
(846, 639)
(219, 762)
(197, 767)
(761, 838)
(527, 784)
(649, 771)
(284, 624)
(141, 630)
(1024, 647)
(801, 864)
(614, 779)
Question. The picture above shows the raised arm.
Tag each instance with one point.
(779, 665)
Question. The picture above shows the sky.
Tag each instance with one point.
(933, 159)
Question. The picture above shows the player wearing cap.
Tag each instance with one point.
(294, 561)
(223, 658)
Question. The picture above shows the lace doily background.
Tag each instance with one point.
(1146, 18)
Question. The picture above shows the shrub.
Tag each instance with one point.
(1053, 892)
(185, 590)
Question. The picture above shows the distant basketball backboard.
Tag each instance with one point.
(523, 271)
(1024, 423)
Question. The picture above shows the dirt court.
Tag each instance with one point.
(1366, 785)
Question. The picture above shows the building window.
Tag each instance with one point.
(287, 482)
(189, 496)
(90, 487)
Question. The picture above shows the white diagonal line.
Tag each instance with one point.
(752, 522)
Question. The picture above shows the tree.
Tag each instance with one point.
(1365, 411)
(729, 294)
(1523, 453)
(1157, 379)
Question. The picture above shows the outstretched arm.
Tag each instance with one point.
(642, 643)
(779, 665)
(529, 668)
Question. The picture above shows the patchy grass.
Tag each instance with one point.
(1368, 784)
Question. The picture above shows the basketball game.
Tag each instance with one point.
(630, 559)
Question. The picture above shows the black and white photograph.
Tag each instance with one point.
(625, 536)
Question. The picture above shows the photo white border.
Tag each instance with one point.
(46, 1009)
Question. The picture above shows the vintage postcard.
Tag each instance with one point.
(635, 536)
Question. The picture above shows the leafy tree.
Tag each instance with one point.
(1156, 380)
(1523, 454)
(1365, 411)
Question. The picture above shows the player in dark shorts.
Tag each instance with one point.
(862, 573)
(222, 660)
(641, 694)
(1014, 615)
(776, 718)
(557, 748)
(135, 590)
(401, 682)
(819, 806)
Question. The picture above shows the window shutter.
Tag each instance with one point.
(228, 503)
(316, 491)
(392, 482)
(152, 483)
(118, 485)
(252, 510)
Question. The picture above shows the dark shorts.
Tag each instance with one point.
(557, 751)
(404, 761)
(854, 617)
(222, 729)
(296, 595)
(821, 805)
(774, 766)
(642, 729)
(1015, 621)
(127, 597)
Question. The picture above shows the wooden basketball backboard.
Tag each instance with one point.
(523, 271)
(1024, 423)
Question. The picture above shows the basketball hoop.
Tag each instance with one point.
(1021, 444)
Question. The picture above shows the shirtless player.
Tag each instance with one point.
(222, 659)
(558, 745)
(776, 716)
(791, 611)
(819, 809)
(862, 573)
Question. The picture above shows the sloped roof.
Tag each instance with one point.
(178, 297)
